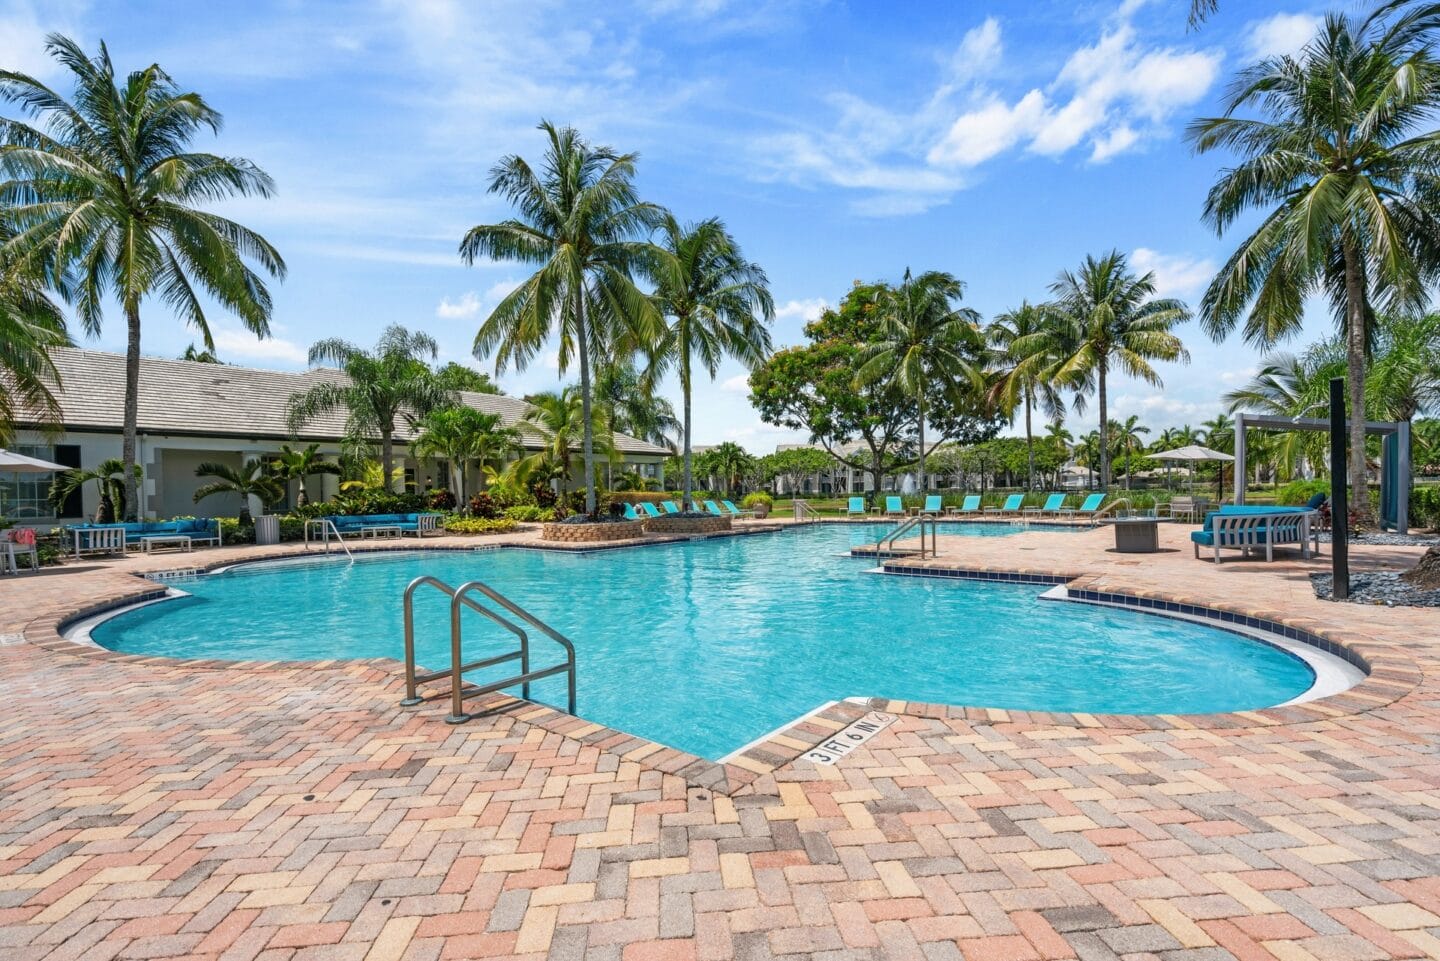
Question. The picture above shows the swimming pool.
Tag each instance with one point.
(706, 645)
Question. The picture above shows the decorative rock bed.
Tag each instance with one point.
(687, 524)
(1377, 587)
(598, 533)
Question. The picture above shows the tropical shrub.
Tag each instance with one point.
(529, 513)
(1425, 506)
(439, 500)
(757, 497)
(641, 497)
(479, 525)
(372, 501)
(292, 528)
(542, 495)
(482, 505)
(1299, 492)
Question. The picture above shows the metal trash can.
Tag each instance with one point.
(267, 529)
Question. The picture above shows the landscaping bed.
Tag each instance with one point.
(591, 531)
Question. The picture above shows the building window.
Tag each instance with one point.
(26, 497)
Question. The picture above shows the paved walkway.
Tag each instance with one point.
(152, 811)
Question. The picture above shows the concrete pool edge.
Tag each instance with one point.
(1392, 674)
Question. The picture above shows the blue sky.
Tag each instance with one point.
(999, 141)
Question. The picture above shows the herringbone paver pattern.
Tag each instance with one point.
(152, 810)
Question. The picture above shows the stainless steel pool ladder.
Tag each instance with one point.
(905, 527)
(460, 597)
(804, 513)
(327, 527)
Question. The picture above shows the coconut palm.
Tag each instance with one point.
(106, 185)
(1019, 363)
(1403, 380)
(461, 434)
(1111, 320)
(30, 326)
(1128, 436)
(560, 418)
(297, 465)
(627, 404)
(200, 355)
(109, 476)
(249, 480)
(581, 223)
(380, 386)
(926, 341)
(1339, 153)
(716, 304)
(729, 463)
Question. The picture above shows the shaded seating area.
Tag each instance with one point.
(1246, 529)
(380, 525)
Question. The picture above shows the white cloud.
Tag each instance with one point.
(739, 384)
(233, 344)
(987, 130)
(1281, 35)
(980, 49)
(23, 28)
(466, 305)
(1176, 275)
(804, 310)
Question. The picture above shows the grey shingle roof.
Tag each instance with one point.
(221, 400)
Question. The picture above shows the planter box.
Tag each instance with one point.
(592, 533)
(687, 525)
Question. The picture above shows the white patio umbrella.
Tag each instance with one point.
(1192, 453)
(11, 462)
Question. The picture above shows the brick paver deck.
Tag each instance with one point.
(153, 810)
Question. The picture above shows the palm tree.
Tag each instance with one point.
(380, 386)
(200, 355)
(249, 480)
(107, 187)
(1219, 434)
(1340, 156)
(1020, 361)
(1089, 450)
(561, 421)
(926, 341)
(297, 465)
(30, 326)
(1127, 437)
(627, 404)
(728, 462)
(581, 222)
(1112, 320)
(460, 434)
(1404, 374)
(109, 476)
(717, 304)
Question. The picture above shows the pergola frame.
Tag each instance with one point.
(1401, 429)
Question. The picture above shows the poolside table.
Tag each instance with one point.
(149, 542)
(1137, 535)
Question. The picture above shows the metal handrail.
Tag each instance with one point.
(459, 597)
(327, 527)
(804, 513)
(919, 520)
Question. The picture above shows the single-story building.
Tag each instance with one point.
(191, 413)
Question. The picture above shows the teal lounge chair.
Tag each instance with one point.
(734, 511)
(648, 508)
(857, 506)
(1012, 505)
(932, 504)
(1090, 508)
(970, 505)
(670, 507)
(714, 508)
(894, 507)
(630, 514)
(1053, 505)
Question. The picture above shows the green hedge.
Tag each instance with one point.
(1298, 492)
(479, 525)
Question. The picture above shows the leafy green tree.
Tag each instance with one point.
(109, 476)
(380, 386)
(1109, 319)
(1020, 363)
(728, 463)
(812, 388)
(107, 188)
(31, 325)
(458, 377)
(249, 480)
(563, 420)
(460, 434)
(716, 304)
(299, 464)
(926, 340)
(1338, 152)
(798, 463)
(582, 224)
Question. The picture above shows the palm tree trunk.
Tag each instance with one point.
(589, 428)
(1104, 433)
(387, 458)
(920, 402)
(687, 483)
(1029, 449)
(132, 406)
(1355, 306)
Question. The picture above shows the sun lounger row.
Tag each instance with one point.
(644, 510)
(1054, 506)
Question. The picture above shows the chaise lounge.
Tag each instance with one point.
(1244, 528)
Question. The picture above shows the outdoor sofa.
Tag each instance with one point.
(1245, 528)
(114, 538)
(359, 524)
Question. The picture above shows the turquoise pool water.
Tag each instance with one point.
(707, 645)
